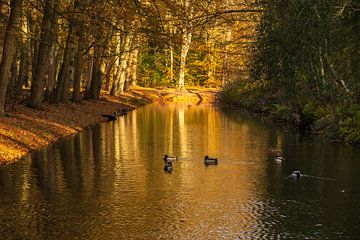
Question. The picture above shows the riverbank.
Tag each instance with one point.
(338, 121)
(26, 129)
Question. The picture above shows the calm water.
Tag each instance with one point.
(108, 182)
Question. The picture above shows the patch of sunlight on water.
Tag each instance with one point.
(108, 182)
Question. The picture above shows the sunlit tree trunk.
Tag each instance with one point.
(211, 64)
(120, 76)
(133, 69)
(171, 64)
(9, 51)
(225, 74)
(185, 45)
(125, 61)
(132, 66)
(47, 39)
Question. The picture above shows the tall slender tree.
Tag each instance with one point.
(9, 50)
(48, 36)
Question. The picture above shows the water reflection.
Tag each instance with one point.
(108, 182)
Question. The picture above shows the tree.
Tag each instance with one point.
(48, 36)
(9, 51)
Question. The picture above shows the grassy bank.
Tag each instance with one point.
(27, 129)
(338, 120)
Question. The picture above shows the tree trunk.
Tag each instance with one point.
(46, 41)
(95, 86)
(225, 74)
(24, 46)
(34, 47)
(120, 77)
(90, 67)
(76, 96)
(13, 77)
(171, 64)
(63, 83)
(131, 78)
(9, 51)
(23, 67)
(51, 73)
(185, 45)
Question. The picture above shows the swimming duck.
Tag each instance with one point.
(168, 167)
(210, 160)
(295, 174)
(168, 158)
(110, 117)
(279, 159)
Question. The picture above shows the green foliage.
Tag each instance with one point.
(151, 70)
(307, 54)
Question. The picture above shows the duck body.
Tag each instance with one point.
(279, 159)
(168, 158)
(110, 117)
(210, 160)
(296, 174)
(168, 167)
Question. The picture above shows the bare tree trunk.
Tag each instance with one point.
(9, 51)
(47, 39)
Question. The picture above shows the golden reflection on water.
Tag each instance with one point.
(108, 182)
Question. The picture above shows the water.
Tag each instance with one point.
(108, 182)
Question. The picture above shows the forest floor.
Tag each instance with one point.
(26, 129)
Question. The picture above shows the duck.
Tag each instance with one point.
(110, 117)
(279, 159)
(168, 167)
(210, 160)
(168, 158)
(296, 174)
